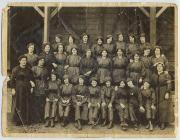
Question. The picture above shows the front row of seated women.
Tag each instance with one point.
(53, 99)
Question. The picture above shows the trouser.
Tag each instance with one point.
(150, 113)
(81, 112)
(107, 112)
(123, 112)
(93, 113)
(133, 112)
(50, 109)
(64, 110)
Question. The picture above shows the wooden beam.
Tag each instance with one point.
(39, 10)
(144, 11)
(56, 10)
(46, 24)
(160, 11)
(153, 26)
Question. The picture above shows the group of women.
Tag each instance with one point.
(92, 83)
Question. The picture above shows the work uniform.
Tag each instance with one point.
(162, 85)
(31, 59)
(81, 93)
(60, 59)
(119, 68)
(107, 97)
(65, 100)
(73, 70)
(161, 59)
(86, 65)
(52, 96)
(121, 97)
(40, 74)
(104, 69)
(95, 99)
(135, 71)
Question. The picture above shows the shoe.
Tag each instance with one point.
(104, 123)
(136, 127)
(52, 122)
(79, 125)
(124, 128)
(110, 125)
(162, 126)
(76, 125)
(47, 123)
(63, 124)
(90, 122)
(150, 127)
(147, 126)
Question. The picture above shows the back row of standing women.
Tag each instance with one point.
(118, 63)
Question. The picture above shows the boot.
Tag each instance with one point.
(47, 123)
(136, 127)
(110, 125)
(162, 126)
(52, 122)
(104, 123)
(79, 125)
(150, 126)
(147, 126)
(76, 125)
(63, 122)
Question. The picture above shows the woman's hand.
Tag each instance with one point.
(110, 105)
(13, 91)
(142, 109)
(32, 84)
(140, 80)
(103, 104)
(153, 107)
(167, 96)
(54, 65)
(122, 105)
(65, 67)
(89, 105)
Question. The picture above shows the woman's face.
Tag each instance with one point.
(85, 38)
(88, 53)
(122, 84)
(99, 41)
(66, 81)
(160, 67)
(157, 51)
(109, 40)
(94, 83)
(31, 49)
(104, 53)
(119, 52)
(74, 51)
(41, 62)
(130, 84)
(146, 84)
(131, 39)
(143, 39)
(108, 83)
(147, 52)
(53, 77)
(120, 37)
(136, 57)
(47, 48)
(60, 48)
(81, 81)
(23, 62)
(71, 40)
(57, 39)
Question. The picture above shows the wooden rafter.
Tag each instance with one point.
(144, 11)
(39, 11)
(160, 11)
(55, 11)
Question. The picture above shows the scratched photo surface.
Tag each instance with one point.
(89, 70)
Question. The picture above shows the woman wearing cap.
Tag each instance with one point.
(131, 47)
(57, 41)
(85, 44)
(31, 57)
(121, 103)
(159, 57)
(94, 101)
(107, 98)
(162, 85)
(65, 100)
(104, 67)
(80, 97)
(120, 44)
(70, 45)
(72, 66)
(40, 75)
(147, 61)
(109, 46)
(52, 93)
(147, 103)
(119, 64)
(60, 57)
(48, 57)
(22, 84)
(136, 70)
(98, 47)
(88, 66)
(143, 42)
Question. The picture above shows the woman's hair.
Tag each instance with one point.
(21, 57)
(30, 44)
(45, 44)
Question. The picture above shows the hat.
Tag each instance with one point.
(108, 36)
(119, 33)
(128, 79)
(107, 79)
(93, 79)
(40, 57)
(99, 37)
(85, 34)
(81, 76)
(65, 77)
(59, 36)
(159, 63)
(131, 34)
(21, 57)
(142, 35)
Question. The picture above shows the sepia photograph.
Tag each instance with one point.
(89, 70)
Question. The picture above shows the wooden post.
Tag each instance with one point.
(153, 25)
(46, 24)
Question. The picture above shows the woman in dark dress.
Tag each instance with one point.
(109, 46)
(70, 45)
(98, 47)
(22, 84)
(120, 44)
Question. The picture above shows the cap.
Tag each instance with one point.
(108, 79)
(131, 34)
(84, 34)
(65, 77)
(99, 37)
(159, 63)
(93, 79)
(128, 80)
(59, 36)
(81, 76)
(21, 57)
(40, 57)
(119, 33)
(109, 36)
